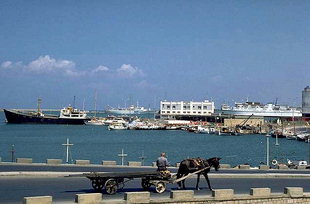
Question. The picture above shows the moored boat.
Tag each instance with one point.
(95, 121)
(118, 126)
(128, 111)
(258, 109)
(67, 115)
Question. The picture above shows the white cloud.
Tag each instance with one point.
(144, 84)
(49, 64)
(100, 68)
(62, 67)
(6, 64)
(126, 70)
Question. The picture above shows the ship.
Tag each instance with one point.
(68, 115)
(259, 109)
(128, 111)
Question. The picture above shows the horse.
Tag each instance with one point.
(191, 165)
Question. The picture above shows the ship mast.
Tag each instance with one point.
(74, 102)
(39, 106)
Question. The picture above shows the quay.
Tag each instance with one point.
(230, 186)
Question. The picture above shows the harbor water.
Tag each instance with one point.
(97, 143)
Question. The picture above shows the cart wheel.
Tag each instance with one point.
(160, 187)
(111, 186)
(145, 184)
(97, 185)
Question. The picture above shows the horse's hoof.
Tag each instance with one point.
(211, 189)
(179, 188)
(198, 189)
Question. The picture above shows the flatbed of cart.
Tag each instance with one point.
(112, 181)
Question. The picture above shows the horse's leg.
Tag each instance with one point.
(183, 181)
(179, 175)
(208, 181)
(179, 183)
(198, 178)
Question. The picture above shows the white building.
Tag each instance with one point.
(171, 109)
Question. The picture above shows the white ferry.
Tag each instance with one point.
(258, 109)
(128, 111)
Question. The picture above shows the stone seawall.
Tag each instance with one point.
(219, 196)
(83, 162)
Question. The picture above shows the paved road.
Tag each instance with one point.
(13, 189)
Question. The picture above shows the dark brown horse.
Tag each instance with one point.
(191, 165)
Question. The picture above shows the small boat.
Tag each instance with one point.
(111, 119)
(95, 121)
(202, 130)
(117, 126)
(302, 136)
(291, 137)
(171, 127)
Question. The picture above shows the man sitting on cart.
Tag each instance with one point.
(162, 163)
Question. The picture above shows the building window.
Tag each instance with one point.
(179, 112)
(168, 111)
(173, 111)
(163, 111)
(199, 112)
(194, 112)
(173, 107)
(199, 107)
(168, 106)
(184, 111)
(207, 107)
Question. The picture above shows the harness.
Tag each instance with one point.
(198, 163)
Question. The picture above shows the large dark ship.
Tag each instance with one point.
(67, 115)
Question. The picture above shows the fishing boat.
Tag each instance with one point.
(68, 115)
(95, 121)
(118, 126)
(202, 130)
(112, 119)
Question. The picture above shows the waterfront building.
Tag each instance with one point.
(186, 109)
(306, 102)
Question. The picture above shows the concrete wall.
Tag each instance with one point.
(108, 163)
(24, 160)
(38, 200)
(232, 122)
(134, 163)
(138, 164)
(82, 162)
(53, 161)
(219, 196)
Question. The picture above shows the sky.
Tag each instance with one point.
(145, 51)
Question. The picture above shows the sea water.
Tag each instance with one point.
(97, 143)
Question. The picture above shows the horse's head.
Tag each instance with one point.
(215, 162)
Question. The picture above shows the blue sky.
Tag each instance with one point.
(148, 51)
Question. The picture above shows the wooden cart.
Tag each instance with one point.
(112, 181)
